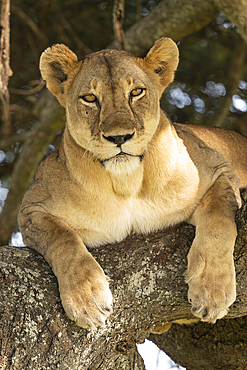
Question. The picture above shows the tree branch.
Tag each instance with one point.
(236, 12)
(138, 10)
(240, 124)
(176, 19)
(179, 18)
(147, 281)
(52, 120)
(33, 26)
(28, 92)
(84, 49)
(118, 17)
(13, 139)
(236, 71)
(5, 70)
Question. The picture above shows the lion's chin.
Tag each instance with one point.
(122, 164)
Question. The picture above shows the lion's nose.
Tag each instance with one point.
(119, 139)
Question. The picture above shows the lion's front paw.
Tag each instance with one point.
(210, 300)
(85, 293)
(212, 292)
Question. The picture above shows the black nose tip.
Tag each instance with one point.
(119, 139)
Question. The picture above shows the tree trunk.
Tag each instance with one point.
(147, 281)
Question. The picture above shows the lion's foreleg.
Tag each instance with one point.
(83, 286)
(211, 273)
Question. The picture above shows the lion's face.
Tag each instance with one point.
(111, 99)
(113, 110)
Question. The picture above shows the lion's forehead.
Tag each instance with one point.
(111, 69)
(111, 60)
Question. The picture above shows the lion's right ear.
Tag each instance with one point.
(58, 67)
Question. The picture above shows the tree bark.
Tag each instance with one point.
(147, 281)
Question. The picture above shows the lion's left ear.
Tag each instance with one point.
(163, 59)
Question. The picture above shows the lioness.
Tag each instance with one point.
(122, 167)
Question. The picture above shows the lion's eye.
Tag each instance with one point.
(90, 98)
(137, 92)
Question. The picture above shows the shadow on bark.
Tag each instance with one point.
(205, 346)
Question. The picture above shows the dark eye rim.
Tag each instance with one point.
(138, 88)
(89, 101)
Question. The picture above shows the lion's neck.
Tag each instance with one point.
(126, 185)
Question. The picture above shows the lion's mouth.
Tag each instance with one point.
(122, 157)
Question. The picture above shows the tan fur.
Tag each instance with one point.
(123, 168)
